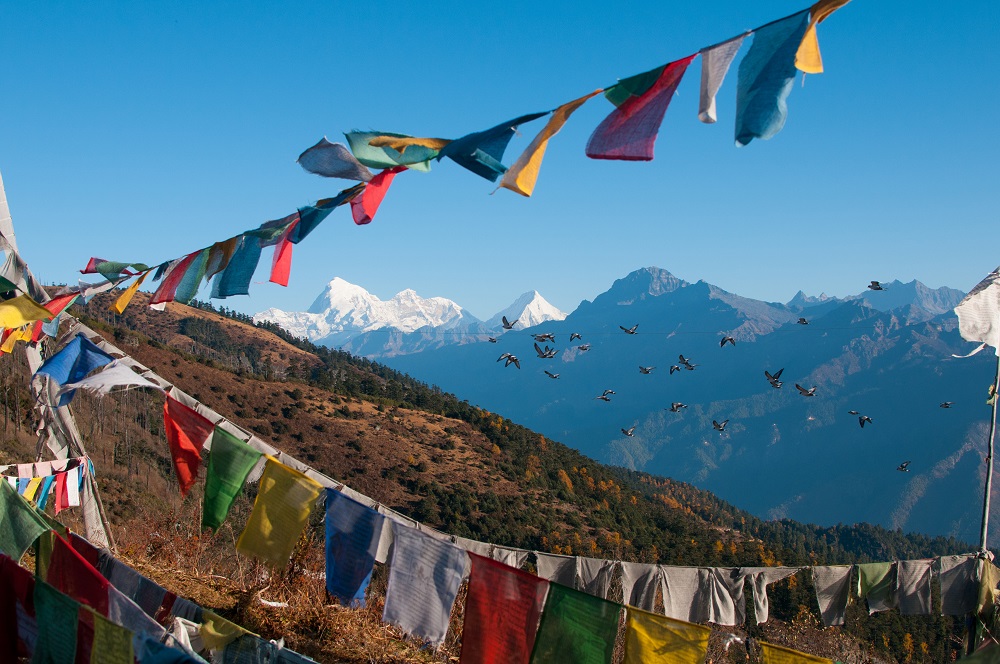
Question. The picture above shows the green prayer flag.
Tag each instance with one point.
(57, 615)
(229, 462)
(20, 524)
(112, 643)
(576, 628)
(633, 86)
(876, 584)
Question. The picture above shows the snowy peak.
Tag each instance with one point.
(528, 310)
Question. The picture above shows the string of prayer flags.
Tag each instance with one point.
(765, 80)
(833, 588)
(502, 610)
(876, 583)
(522, 175)
(230, 461)
(409, 151)
(807, 57)
(650, 637)
(20, 524)
(366, 204)
(333, 160)
(21, 310)
(285, 498)
(576, 627)
(482, 152)
(772, 654)
(424, 577)
(630, 131)
(311, 215)
(353, 532)
(186, 433)
(235, 278)
(715, 61)
(115, 374)
(171, 279)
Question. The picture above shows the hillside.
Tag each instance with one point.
(438, 459)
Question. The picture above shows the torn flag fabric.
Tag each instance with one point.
(235, 278)
(576, 627)
(285, 497)
(522, 175)
(366, 204)
(715, 63)
(73, 362)
(413, 155)
(502, 611)
(424, 577)
(186, 432)
(807, 57)
(482, 152)
(114, 375)
(333, 160)
(650, 637)
(230, 460)
(20, 311)
(761, 578)
(765, 79)
(629, 132)
(979, 312)
(352, 536)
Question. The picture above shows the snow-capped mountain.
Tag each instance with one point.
(344, 310)
(528, 310)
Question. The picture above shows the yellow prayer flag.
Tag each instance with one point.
(808, 58)
(123, 300)
(216, 632)
(33, 484)
(772, 654)
(112, 643)
(284, 499)
(21, 310)
(521, 177)
(650, 637)
(399, 143)
(22, 334)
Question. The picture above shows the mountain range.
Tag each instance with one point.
(885, 354)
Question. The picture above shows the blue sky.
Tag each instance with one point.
(144, 131)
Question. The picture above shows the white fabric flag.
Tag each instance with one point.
(832, 590)
(715, 63)
(913, 581)
(685, 595)
(510, 557)
(728, 602)
(475, 546)
(639, 584)
(114, 375)
(594, 576)
(557, 568)
(958, 584)
(424, 577)
(762, 577)
(979, 313)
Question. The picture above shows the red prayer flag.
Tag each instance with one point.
(84, 637)
(62, 495)
(92, 265)
(167, 289)
(16, 583)
(629, 132)
(187, 432)
(70, 573)
(281, 265)
(502, 611)
(365, 205)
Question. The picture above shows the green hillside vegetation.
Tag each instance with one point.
(438, 459)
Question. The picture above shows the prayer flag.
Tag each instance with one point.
(415, 155)
(715, 63)
(352, 536)
(762, 577)
(502, 611)
(511, 557)
(284, 499)
(772, 654)
(172, 278)
(20, 524)
(765, 79)
(219, 255)
(229, 462)
(366, 204)
(113, 375)
(186, 432)
(576, 627)
(16, 585)
(191, 281)
(557, 568)
(235, 278)
(958, 584)
(146, 593)
(333, 160)
(650, 637)
(639, 584)
(112, 644)
(989, 582)
(832, 585)
(73, 362)
(20, 311)
(523, 174)
(57, 616)
(126, 297)
(629, 132)
(424, 577)
(876, 583)
(594, 576)
(217, 632)
(482, 152)
(311, 216)
(281, 263)
(913, 580)
(979, 312)
(69, 572)
(807, 57)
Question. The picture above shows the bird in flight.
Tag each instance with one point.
(947, 404)
(607, 392)
(584, 348)
(811, 392)
(875, 286)
(686, 362)
(802, 321)
(720, 426)
(773, 378)
(507, 325)
(544, 337)
(904, 467)
(676, 406)
(546, 354)
(511, 359)
(725, 340)
(646, 370)
(629, 330)
(604, 397)
(673, 368)
(574, 335)
(492, 340)
(551, 375)
(853, 412)
(862, 419)
(630, 431)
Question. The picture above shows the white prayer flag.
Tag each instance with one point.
(979, 313)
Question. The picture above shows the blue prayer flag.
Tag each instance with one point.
(72, 364)
(352, 535)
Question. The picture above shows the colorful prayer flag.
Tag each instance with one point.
(21, 310)
(772, 654)
(235, 278)
(576, 627)
(229, 462)
(217, 632)
(186, 432)
(715, 63)
(112, 644)
(650, 637)
(70, 573)
(807, 57)
(353, 532)
(482, 152)
(333, 160)
(20, 524)
(415, 155)
(172, 277)
(366, 204)
(57, 617)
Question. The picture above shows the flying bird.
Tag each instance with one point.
(673, 368)
(630, 431)
(773, 378)
(720, 426)
(544, 337)
(676, 406)
(811, 392)
(507, 325)
(722, 344)
(687, 363)
(862, 419)
(853, 412)
(875, 286)
(546, 354)
(607, 392)
(584, 348)
(511, 359)
(904, 467)
(492, 340)
(646, 370)
(574, 335)
(629, 330)
(947, 404)
(604, 397)
(551, 375)
(802, 321)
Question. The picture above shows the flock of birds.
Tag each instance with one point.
(683, 363)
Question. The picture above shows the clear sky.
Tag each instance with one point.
(144, 131)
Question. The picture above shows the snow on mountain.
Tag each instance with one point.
(344, 310)
(528, 310)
